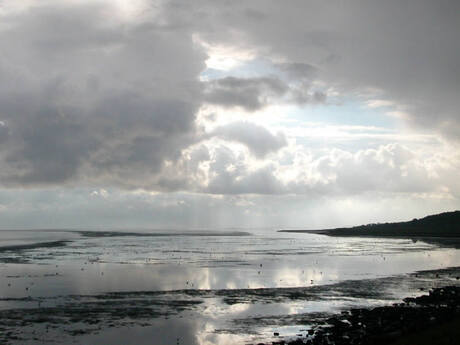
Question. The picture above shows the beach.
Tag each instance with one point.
(221, 287)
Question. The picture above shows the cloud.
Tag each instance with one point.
(256, 93)
(48, 148)
(257, 138)
(406, 53)
(298, 70)
(249, 93)
(391, 168)
(230, 174)
(4, 132)
(90, 98)
(260, 181)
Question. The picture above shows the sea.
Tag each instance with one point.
(201, 287)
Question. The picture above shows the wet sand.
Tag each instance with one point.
(427, 319)
(80, 318)
(18, 247)
(448, 242)
(222, 290)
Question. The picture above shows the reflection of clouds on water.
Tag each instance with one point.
(224, 313)
(205, 338)
(216, 310)
(94, 264)
(254, 269)
(445, 258)
(291, 277)
(220, 329)
(201, 280)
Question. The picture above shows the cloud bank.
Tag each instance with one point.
(110, 94)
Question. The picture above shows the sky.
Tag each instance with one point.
(221, 114)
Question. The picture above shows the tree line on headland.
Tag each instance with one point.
(445, 224)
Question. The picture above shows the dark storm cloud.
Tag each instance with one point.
(253, 94)
(52, 147)
(296, 70)
(4, 132)
(248, 93)
(86, 98)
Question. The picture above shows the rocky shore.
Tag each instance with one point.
(437, 314)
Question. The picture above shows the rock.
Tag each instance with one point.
(384, 324)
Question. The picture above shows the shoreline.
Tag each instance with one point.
(83, 318)
(426, 319)
(445, 241)
(443, 228)
(86, 315)
(48, 244)
(421, 320)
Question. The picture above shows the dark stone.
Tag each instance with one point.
(385, 324)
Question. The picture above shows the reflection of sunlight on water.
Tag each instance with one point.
(99, 265)
(168, 263)
(444, 258)
(215, 310)
(205, 338)
(230, 285)
(201, 280)
(292, 277)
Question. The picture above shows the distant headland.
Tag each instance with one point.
(443, 226)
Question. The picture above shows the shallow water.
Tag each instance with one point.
(10, 238)
(201, 287)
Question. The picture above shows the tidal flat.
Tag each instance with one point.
(202, 287)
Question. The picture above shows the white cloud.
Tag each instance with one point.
(223, 57)
(379, 103)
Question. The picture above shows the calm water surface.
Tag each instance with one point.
(199, 287)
